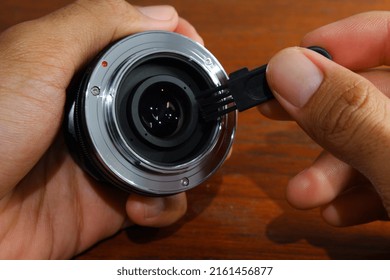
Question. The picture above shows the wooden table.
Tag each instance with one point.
(241, 212)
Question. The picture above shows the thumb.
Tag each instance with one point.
(70, 36)
(39, 58)
(339, 109)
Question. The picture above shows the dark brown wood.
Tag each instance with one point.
(241, 212)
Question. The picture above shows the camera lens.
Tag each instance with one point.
(133, 120)
(161, 109)
(157, 112)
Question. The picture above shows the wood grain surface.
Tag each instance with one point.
(241, 212)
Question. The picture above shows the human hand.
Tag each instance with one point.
(347, 113)
(49, 208)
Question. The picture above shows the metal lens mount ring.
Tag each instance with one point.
(118, 141)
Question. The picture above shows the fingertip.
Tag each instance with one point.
(294, 77)
(331, 216)
(187, 29)
(160, 12)
(159, 17)
(368, 30)
(156, 211)
(359, 205)
(311, 188)
(299, 192)
(273, 110)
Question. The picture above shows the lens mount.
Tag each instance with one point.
(134, 120)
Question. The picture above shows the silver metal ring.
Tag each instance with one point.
(122, 161)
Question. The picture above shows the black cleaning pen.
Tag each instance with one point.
(245, 89)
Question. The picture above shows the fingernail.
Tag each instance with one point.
(163, 12)
(293, 76)
(154, 207)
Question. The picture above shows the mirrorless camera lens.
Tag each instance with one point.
(133, 120)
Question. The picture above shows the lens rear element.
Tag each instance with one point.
(161, 109)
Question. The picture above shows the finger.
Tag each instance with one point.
(360, 205)
(339, 109)
(272, 109)
(358, 42)
(187, 29)
(378, 77)
(321, 183)
(69, 36)
(39, 59)
(156, 211)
